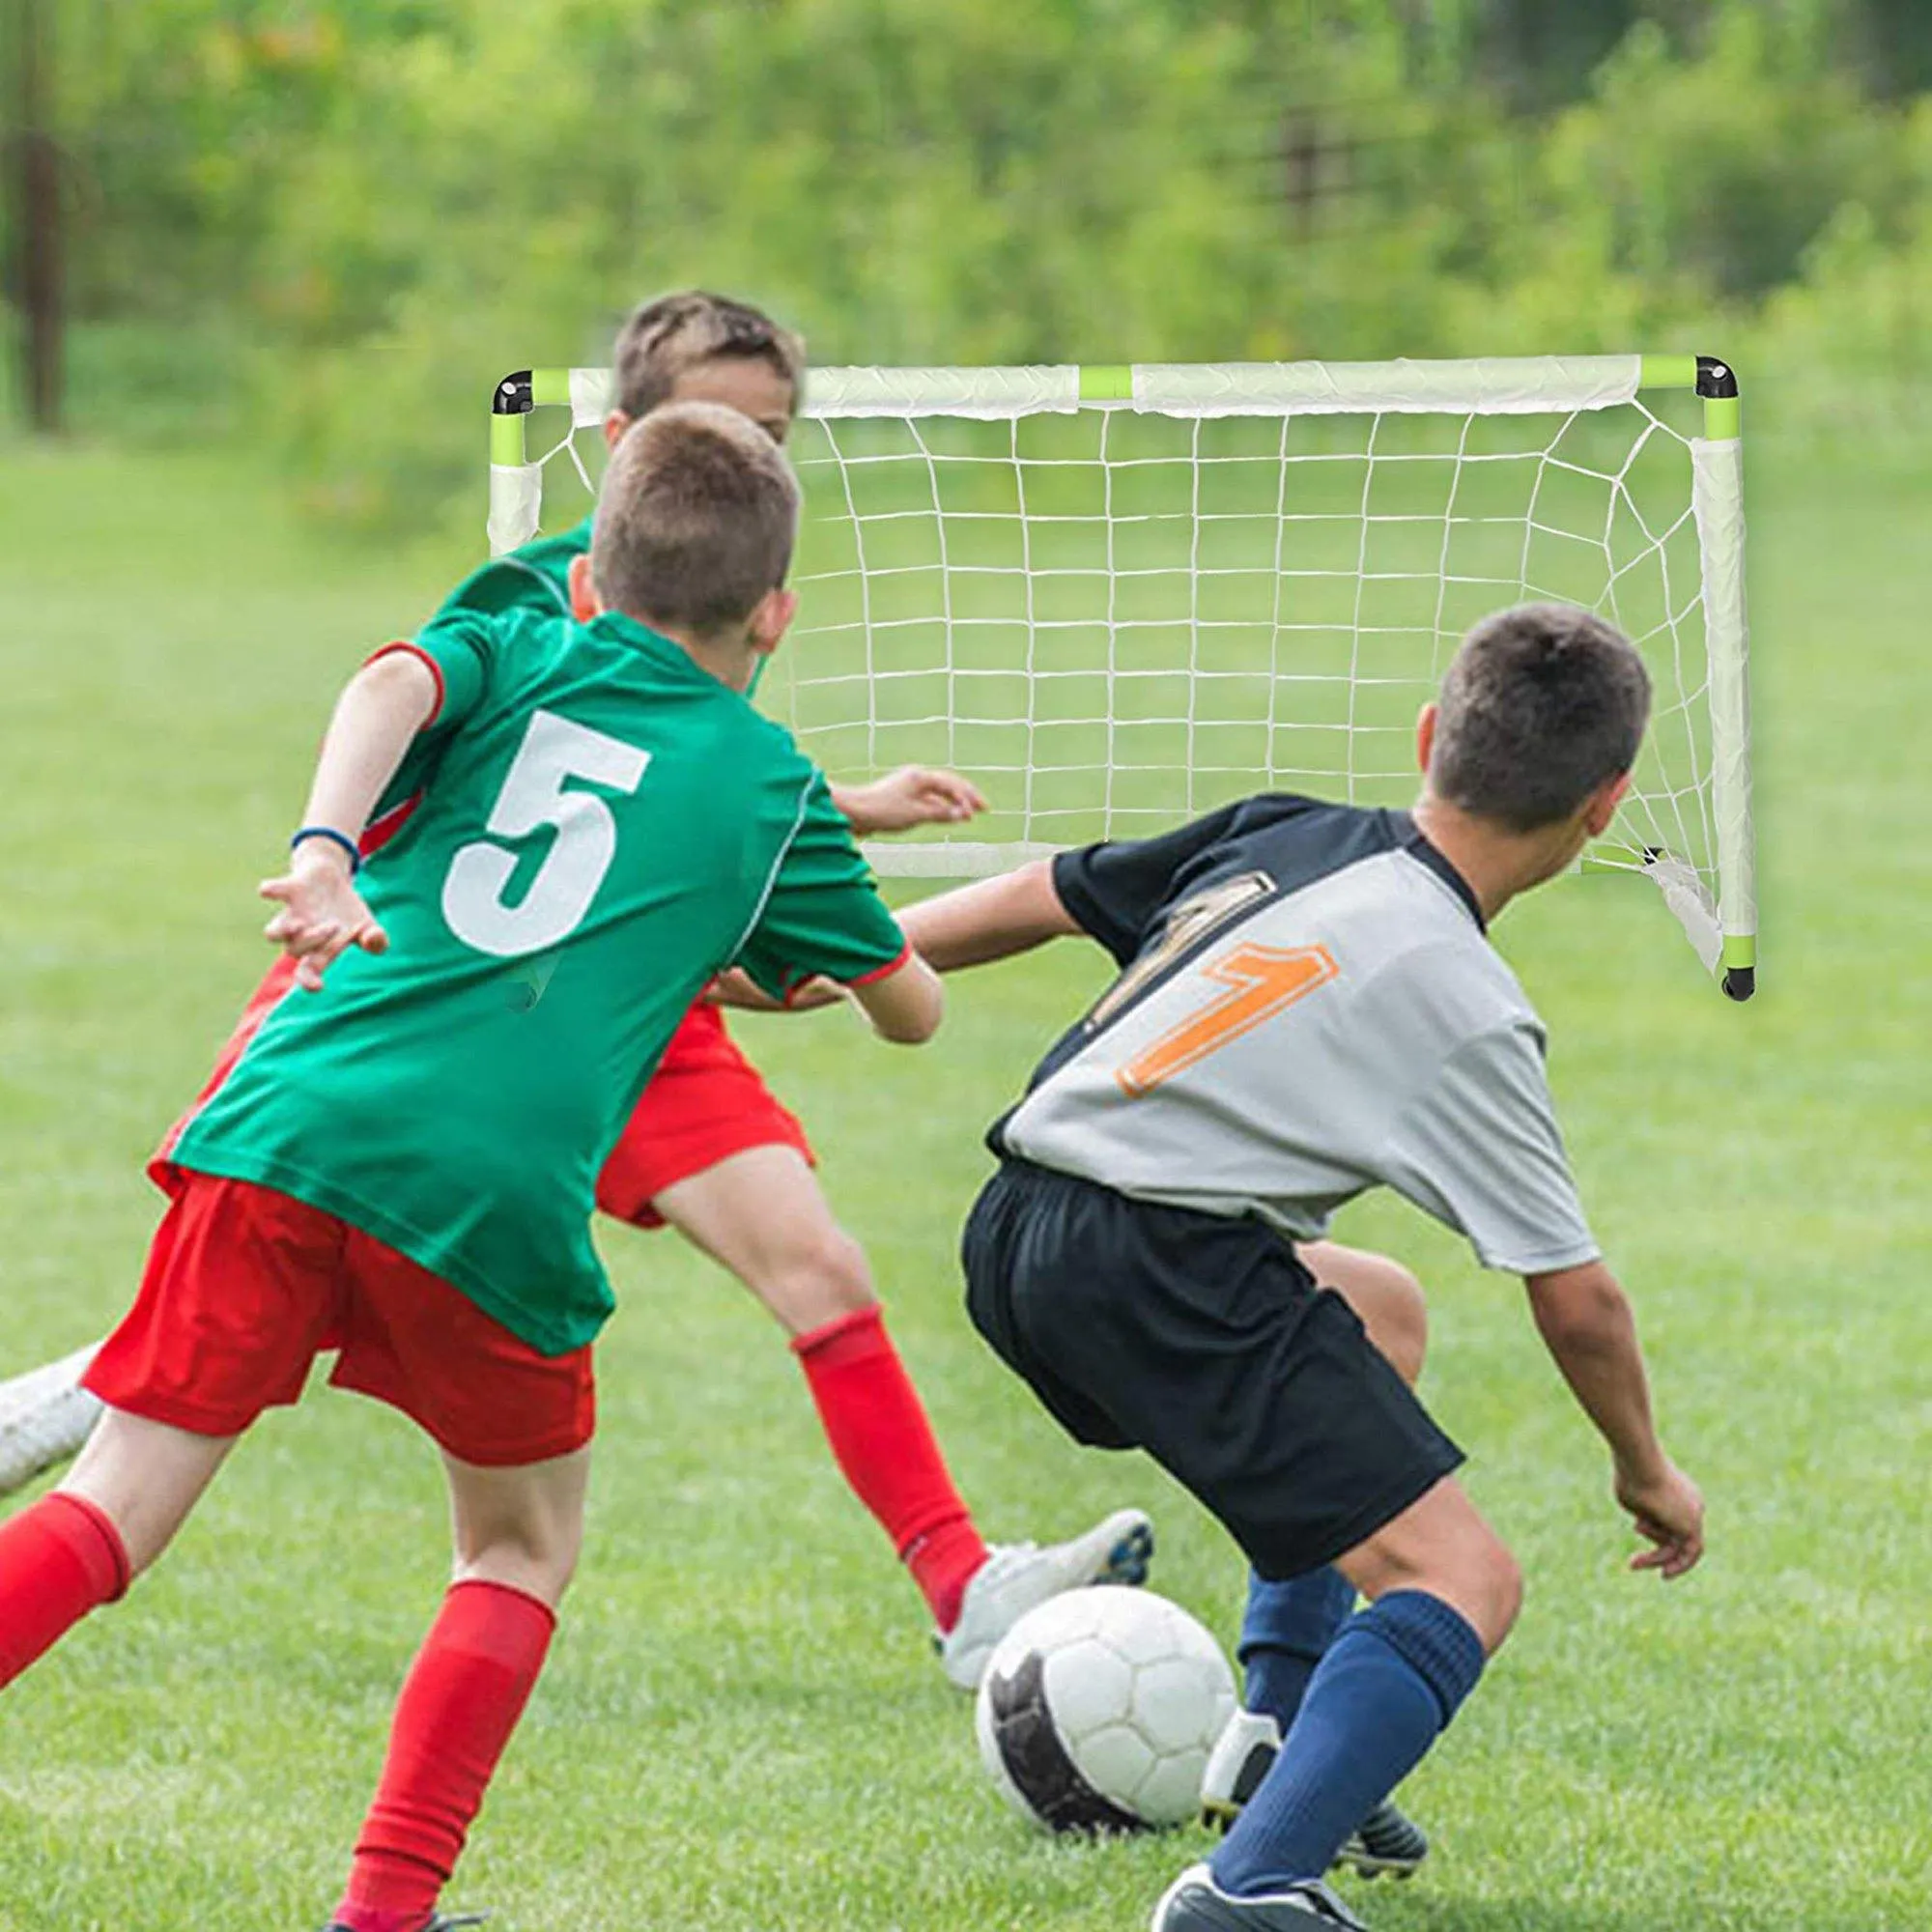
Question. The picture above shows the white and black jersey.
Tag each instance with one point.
(1308, 1008)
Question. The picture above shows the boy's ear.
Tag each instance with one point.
(771, 619)
(1424, 734)
(585, 603)
(614, 426)
(1601, 805)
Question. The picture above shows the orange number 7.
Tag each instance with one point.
(1261, 980)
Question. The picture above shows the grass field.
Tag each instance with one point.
(741, 1728)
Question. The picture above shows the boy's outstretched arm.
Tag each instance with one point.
(1586, 1323)
(991, 919)
(385, 704)
(904, 1006)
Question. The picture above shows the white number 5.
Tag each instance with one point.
(553, 752)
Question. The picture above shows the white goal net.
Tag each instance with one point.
(1117, 597)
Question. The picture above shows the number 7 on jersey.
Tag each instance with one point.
(1261, 981)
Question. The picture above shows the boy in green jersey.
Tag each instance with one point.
(709, 1150)
(401, 1164)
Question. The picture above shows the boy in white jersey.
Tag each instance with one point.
(1309, 1007)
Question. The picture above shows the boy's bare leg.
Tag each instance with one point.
(517, 1534)
(144, 1477)
(79, 1547)
(762, 1214)
(521, 1528)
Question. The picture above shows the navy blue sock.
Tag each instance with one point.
(1286, 1632)
(1381, 1697)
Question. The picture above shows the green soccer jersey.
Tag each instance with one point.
(603, 827)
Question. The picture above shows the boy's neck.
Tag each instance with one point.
(731, 661)
(1497, 864)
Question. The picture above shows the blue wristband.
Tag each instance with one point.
(335, 837)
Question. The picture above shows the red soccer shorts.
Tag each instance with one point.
(706, 1102)
(245, 1286)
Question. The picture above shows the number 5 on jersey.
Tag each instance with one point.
(1261, 981)
(553, 752)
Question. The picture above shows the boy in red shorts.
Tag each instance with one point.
(710, 1151)
(603, 823)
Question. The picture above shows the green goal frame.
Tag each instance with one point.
(1716, 903)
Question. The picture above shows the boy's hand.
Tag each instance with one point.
(736, 987)
(322, 913)
(913, 795)
(1668, 1509)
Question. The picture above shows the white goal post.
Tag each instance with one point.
(1118, 596)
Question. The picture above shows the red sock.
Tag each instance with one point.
(883, 1442)
(59, 1558)
(462, 1699)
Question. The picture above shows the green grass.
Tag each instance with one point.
(741, 1728)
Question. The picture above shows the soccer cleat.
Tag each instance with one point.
(1240, 1759)
(437, 1924)
(1195, 1903)
(1019, 1576)
(1387, 1841)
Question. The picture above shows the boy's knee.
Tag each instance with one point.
(538, 1561)
(1403, 1317)
(1494, 1587)
(816, 1278)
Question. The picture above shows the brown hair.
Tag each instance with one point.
(696, 520)
(666, 337)
(1541, 705)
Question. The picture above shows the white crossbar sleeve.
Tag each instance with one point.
(593, 393)
(516, 501)
(992, 394)
(1495, 385)
(1717, 497)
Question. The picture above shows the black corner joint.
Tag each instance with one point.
(1717, 378)
(1740, 983)
(516, 396)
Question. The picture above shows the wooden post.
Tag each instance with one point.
(37, 220)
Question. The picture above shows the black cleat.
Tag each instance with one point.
(1195, 1903)
(1386, 1841)
(437, 1924)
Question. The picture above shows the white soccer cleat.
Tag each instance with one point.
(1242, 1757)
(1019, 1576)
(45, 1415)
(1386, 1842)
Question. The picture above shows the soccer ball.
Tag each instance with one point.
(1098, 1709)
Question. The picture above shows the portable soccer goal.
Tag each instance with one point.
(1120, 596)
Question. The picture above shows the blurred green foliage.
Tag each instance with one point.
(340, 223)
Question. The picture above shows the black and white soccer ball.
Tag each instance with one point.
(1098, 1709)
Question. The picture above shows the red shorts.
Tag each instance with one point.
(706, 1102)
(245, 1286)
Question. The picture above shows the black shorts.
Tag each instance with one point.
(1205, 1342)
